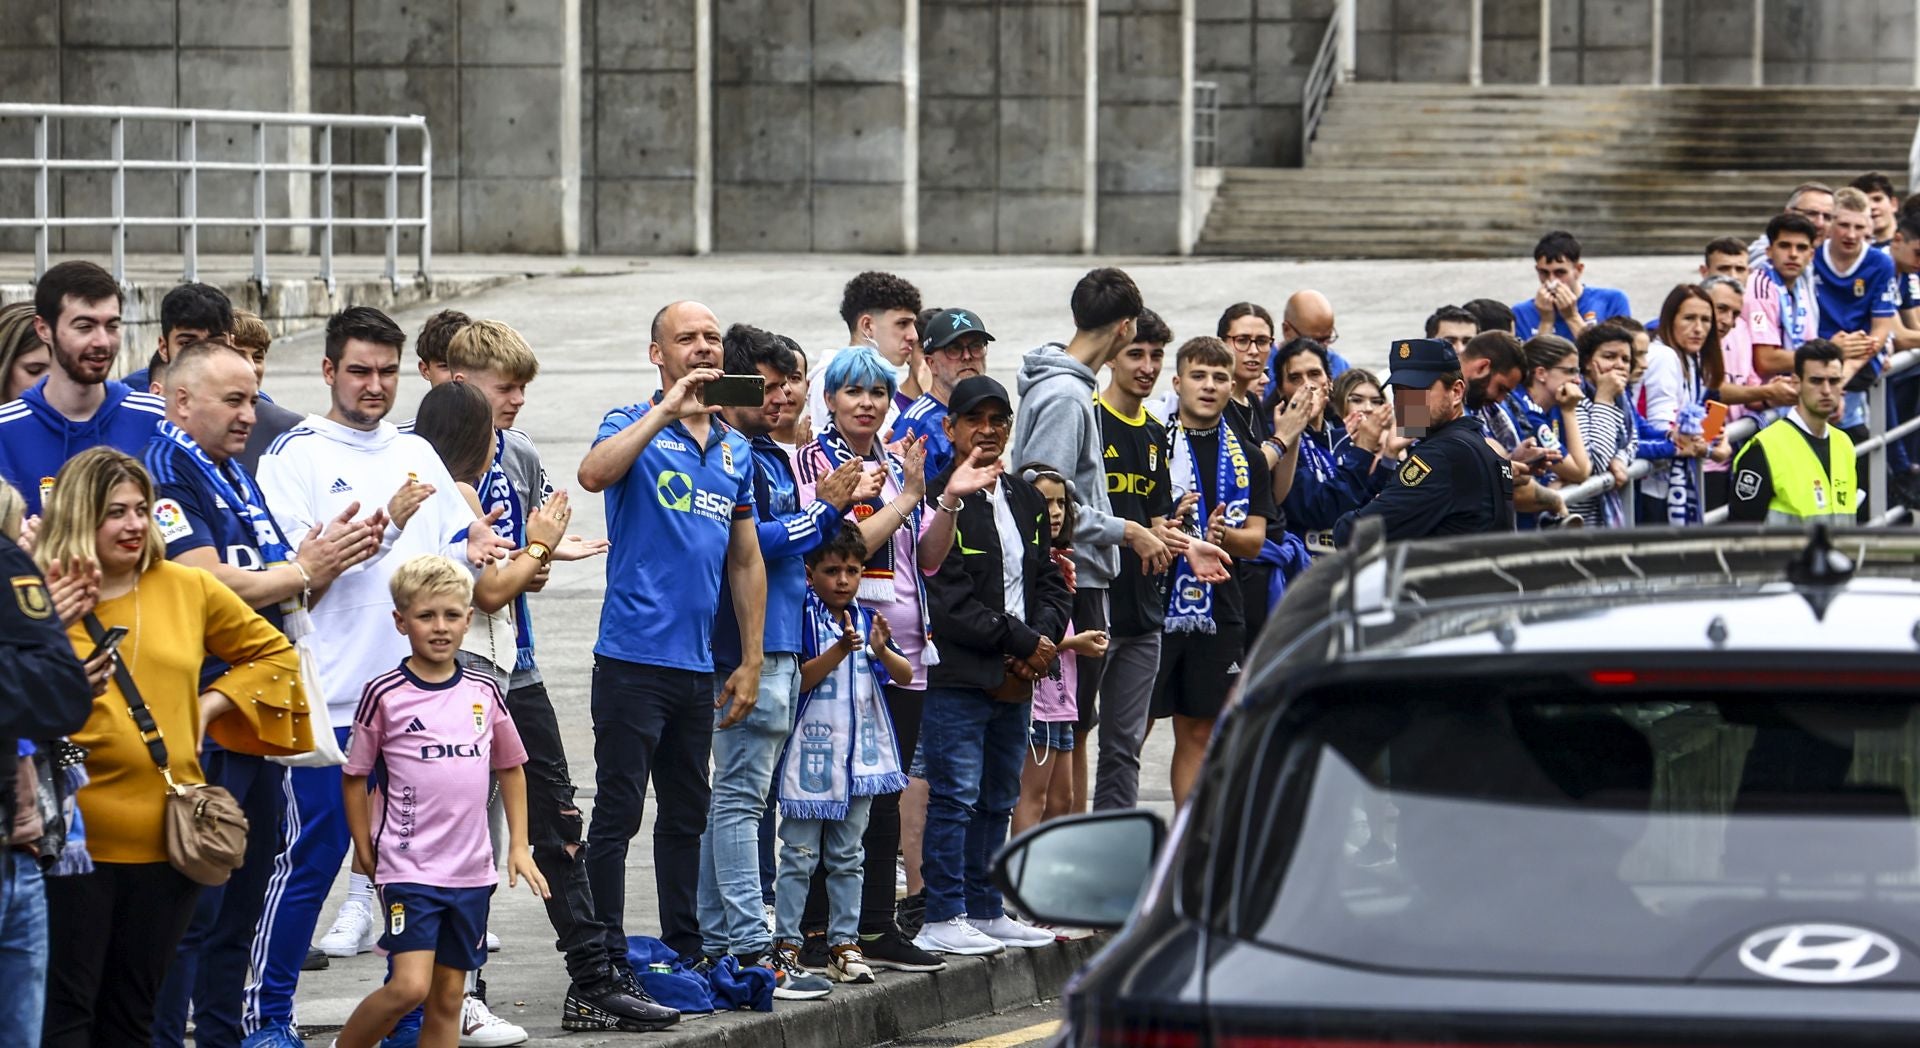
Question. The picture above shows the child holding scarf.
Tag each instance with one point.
(840, 756)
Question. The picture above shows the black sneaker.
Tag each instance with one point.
(910, 913)
(814, 955)
(894, 951)
(614, 1007)
(316, 960)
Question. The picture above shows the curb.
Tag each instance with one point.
(897, 1005)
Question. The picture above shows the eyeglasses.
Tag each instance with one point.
(964, 348)
(1328, 339)
(1246, 342)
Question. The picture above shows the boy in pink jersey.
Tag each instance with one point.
(429, 735)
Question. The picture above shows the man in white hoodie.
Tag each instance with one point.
(309, 476)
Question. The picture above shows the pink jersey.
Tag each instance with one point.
(431, 749)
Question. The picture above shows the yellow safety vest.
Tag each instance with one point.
(1802, 490)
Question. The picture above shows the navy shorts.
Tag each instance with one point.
(452, 922)
(1053, 735)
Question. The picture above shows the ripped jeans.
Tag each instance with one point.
(835, 847)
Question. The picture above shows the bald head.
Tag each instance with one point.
(686, 335)
(211, 389)
(1308, 315)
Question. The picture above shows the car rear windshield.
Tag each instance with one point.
(1482, 828)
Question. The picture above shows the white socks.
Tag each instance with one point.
(359, 887)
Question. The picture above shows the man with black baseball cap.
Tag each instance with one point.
(956, 349)
(1451, 481)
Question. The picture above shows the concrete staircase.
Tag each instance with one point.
(1425, 170)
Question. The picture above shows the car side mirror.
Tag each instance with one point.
(1082, 870)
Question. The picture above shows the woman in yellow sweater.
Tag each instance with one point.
(113, 930)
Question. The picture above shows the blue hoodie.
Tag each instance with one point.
(36, 439)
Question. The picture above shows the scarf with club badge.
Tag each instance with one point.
(843, 743)
(1190, 601)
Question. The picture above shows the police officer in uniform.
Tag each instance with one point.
(1451, 482)
(1800, 467)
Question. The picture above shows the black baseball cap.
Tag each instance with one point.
(971, 392)
(1417, 363)
(949, 324)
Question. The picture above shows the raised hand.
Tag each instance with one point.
(683, 400)
(73, 588)
(976, 474)
(579, 547)
(548, 524)
(484, 546)
(838, 488)
(914, 461)
(881, 635)
(411, 496)
(849, 637)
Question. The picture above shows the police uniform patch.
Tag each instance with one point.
(1747, 484)
(1413, 471)
(1405, 351)
(30, 593)
(172, 520)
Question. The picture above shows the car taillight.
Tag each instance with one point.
(1759, 680)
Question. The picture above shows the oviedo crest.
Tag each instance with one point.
(30, 593)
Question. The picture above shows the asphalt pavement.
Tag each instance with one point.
(589, 326)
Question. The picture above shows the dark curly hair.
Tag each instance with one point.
(876, 292)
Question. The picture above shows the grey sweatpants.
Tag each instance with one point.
(1126, 694)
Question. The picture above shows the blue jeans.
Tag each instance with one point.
(23, 948)
(744, 757)
(834, 846)
(973, 747)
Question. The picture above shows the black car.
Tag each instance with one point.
(1621, 787)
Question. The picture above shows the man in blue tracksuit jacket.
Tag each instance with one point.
(744, 755)
(76, 407)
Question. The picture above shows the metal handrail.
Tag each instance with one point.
(188, 166)
(1320, 79)
(1741, 430)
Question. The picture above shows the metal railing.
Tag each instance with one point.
(1206, 123)
(188, 166)
(1320, 79)
(1741, 430)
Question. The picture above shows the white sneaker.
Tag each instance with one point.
(1005, 929)
(493, 943)
(957, 936)
(480, 1028)
(354, 930)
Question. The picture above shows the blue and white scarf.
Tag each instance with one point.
(238, 492)
(843, 743)
(1190, 601)
(496, 492)
(876, 576)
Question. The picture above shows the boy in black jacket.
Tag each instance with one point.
(996, 616)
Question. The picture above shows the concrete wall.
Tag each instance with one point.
(813, 141)
(1144, 156)
(1259, 52)
(639, 126)
(1004, 151)
(222, 54)
(1610, 41)
(488, 76)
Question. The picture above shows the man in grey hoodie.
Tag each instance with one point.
(1056, 425)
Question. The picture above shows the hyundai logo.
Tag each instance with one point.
(1819, 953)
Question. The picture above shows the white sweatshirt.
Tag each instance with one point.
(313, 473)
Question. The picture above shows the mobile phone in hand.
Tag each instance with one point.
(735, 391)
(110, 642)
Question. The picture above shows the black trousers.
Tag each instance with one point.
(882, 839)
(111, 934)
(556, 833)
(650, 723)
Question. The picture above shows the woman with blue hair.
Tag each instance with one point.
(858, 386)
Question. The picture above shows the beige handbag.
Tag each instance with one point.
(206, 831)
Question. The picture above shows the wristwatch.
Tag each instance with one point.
(539, 551)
